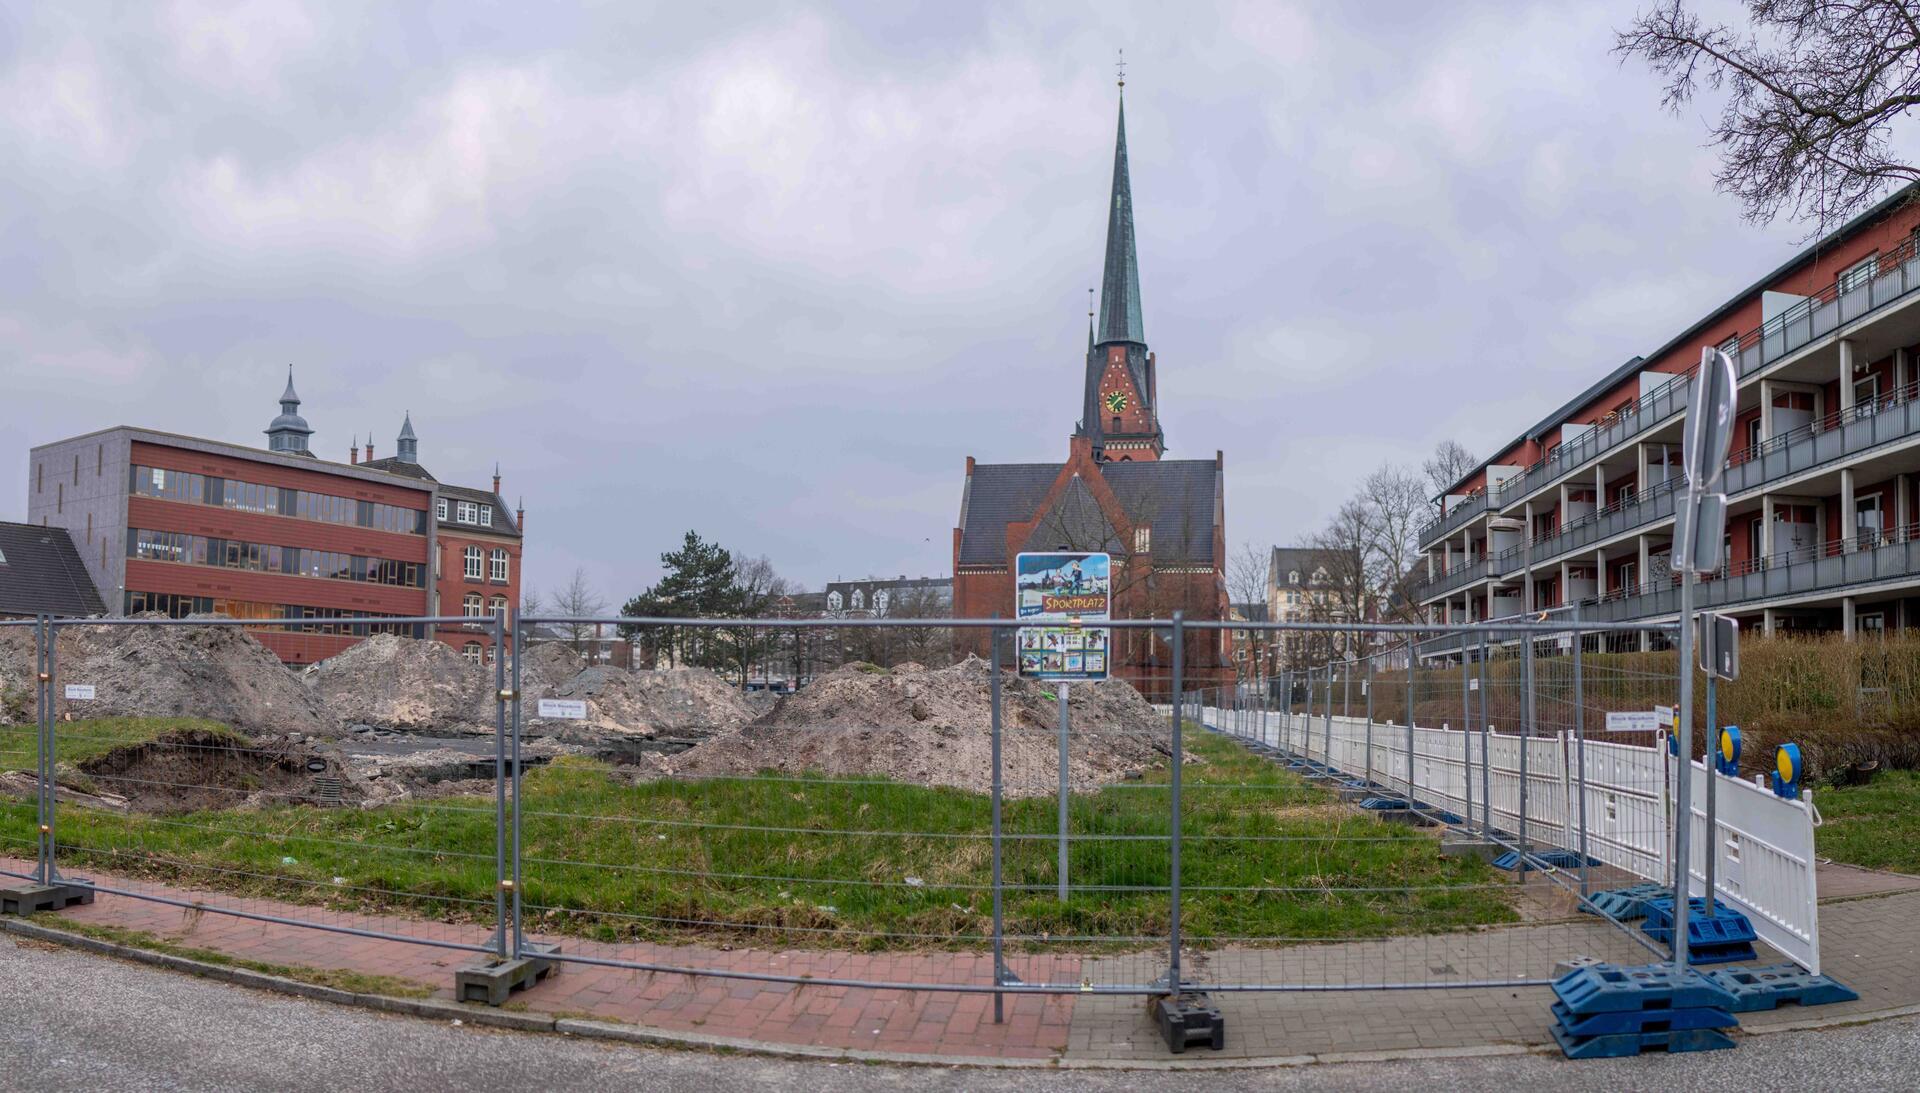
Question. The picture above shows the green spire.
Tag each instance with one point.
(1120, 282)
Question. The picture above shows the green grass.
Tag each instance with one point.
(1876, 825)
(75, 742)
(817, 862)
(356, 982)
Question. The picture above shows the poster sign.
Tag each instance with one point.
(80, 692)
(1059, 594)
(1634, 721)
(563, 709)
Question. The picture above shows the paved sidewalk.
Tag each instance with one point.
(1870, 932)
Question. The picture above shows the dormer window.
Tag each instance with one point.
(833, 601)
(440, 508)
(466, 512)
(1293, 576)
(486, 515)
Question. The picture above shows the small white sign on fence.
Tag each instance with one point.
(77, 692)
(563, 709)
(1636, 721)
(1473, 683)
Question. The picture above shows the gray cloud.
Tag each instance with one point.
(775, 279)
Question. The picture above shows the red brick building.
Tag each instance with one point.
(1163, 520)
(187, 526)
(476, 549)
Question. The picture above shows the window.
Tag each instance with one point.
(859, 599)
(465, 512)
(472, 652)
(470, 605)
(833, 601)
(497, 567)
(1860, 274)
(1143, 540)
(1866, 395)
(1629, 576)
(471, 559)
(880, 600)
(1871, 622)
(1867, 520)
(486, 515)
(497, 605)
(440, 508)
(1753, 433)
(490, 656)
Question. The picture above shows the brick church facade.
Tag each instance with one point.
(1163, 520)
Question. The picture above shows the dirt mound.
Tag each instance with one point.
(681, 705)
(215, 672)
(413, 684)
(194, 770)
(934, 727)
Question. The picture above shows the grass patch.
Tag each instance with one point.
(76, 742)
(1876, 825)
(808, 861)
(355, 982)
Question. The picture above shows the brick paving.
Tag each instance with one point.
(1870, 941)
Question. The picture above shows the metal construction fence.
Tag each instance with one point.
(943, 826)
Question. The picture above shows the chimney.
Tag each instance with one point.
(353, 451)
(369, 445)
(520, 514)
(496, 478)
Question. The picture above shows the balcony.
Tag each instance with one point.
(1838, 437)
(1832, 568)
(1454, 580)
(1466, 510)
(1848, 298)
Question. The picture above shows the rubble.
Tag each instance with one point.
(675, 707)
(403, 683)
(934, 727)
(215, 672)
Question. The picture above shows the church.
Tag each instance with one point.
(1163, 520)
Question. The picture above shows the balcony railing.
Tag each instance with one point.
(1831, 567)
(1453, 579)
(1849, 297)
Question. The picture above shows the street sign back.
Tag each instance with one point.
(1709, 429)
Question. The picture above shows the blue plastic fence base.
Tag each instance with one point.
(1764, 988)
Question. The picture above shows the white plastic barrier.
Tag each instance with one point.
(1765, 868)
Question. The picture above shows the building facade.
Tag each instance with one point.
(1162, 520)
(476, 562)
(186, 526)
(889, 597)
(1577, 511)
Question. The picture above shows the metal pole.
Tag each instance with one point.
(1173, 879)
(1683, 793)
(1466, 736)
(1580, 749)
(1326, 737)
(519, 643)
(999, 921)
(1527, 714)
(1306, 726)
(1366, 686)
(1063, 792)
(1713, 750)
(500, 878)
(1346, 703)
(1412, 804)
(49, 755)
(1486, 747)
(43, 745)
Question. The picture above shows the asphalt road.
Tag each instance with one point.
(83, 1022)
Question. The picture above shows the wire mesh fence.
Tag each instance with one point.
(926, 819)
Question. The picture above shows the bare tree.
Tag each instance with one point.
(578, 599)
(1247, 575)
(1448, 464)
(1396, 506)
(756, 585)
(1340, 569)
(1813, 90)
(531, 603)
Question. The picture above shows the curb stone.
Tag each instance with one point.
(482, 1016)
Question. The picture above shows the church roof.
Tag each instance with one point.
(1177, 497)
(403, 467)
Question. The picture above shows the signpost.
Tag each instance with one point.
(1699, 527)
(563, 709)
(1719, 659)
(1061, 591)
(80, 692)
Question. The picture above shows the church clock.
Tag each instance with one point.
(1116, 401)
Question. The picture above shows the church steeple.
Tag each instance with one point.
(1118, 413)
(409, 444)
(1120, 280)
(289, 432)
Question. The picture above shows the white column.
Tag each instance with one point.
(1766, 411)
(1846, 374)
(1848, 521)
(1846, 616)
(1640, 467)
(1766, 528)
(1599, 487)
(1766, 622)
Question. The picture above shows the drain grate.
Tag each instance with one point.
(329, 791)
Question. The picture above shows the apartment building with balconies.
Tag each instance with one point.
(1576, 513)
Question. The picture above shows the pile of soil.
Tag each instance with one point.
(934, 727)
(193, 771)
(676, 707)
(412, 684)
(215, 672)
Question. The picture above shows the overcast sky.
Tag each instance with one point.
(775, 278)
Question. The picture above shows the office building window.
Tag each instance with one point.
(471, 558)
(499, 565)
(470, 605)
(497, 605)
(472, 652)
(465, 512)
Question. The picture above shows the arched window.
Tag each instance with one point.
(497, 605)
(471, 651)
(470, 605)
(833, 601)
(859, 599)
(498, 570)
(470, 558)
(880, 600)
